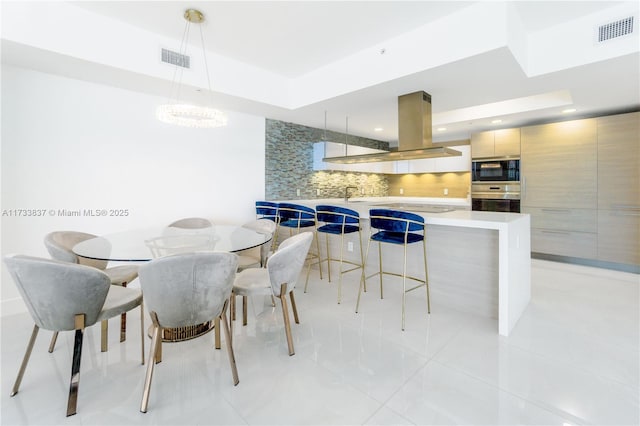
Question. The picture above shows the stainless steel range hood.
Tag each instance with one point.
(414, 135)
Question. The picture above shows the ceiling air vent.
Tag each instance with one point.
(175, 58)
(615, 29)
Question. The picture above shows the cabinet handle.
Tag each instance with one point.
(562, 211)
(625, 207)
(556, 232)
(625, 213)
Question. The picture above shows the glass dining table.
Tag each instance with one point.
(144, 244)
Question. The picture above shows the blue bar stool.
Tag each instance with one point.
(297, 216)
(339, 221)
(399, 228)
(267, 210)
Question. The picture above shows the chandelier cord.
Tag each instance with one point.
(206, 65)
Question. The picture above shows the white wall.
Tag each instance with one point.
(70, 144)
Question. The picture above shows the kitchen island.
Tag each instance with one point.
(479, 262)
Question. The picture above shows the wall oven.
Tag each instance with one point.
(495, 185)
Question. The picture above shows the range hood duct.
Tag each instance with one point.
(415, 139)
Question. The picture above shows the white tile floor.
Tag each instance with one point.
(572, 359)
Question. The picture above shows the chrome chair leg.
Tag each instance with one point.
(25, 360)
(142, 330)
(232, 308)
(227, 336)
(104, 336)
(155, 340)
(293, 307)
(216, 332)
(75, 365)
(285, 314)
(245, 307)
(123, 322)
(232, 313)
(54, 338)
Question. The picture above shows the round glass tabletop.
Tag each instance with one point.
(144, 244)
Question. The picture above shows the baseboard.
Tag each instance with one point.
(623, 267)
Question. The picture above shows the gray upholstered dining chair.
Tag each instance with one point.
(63, 296)
(249, 259)
(192, 223)
(184, 290)
(279, 278)
(60, 244)
(246, 257)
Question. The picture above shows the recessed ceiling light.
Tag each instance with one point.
(441, 129)
(568, 110)
(496, 121)
(378, 129)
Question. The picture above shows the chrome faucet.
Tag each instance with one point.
(346, 193)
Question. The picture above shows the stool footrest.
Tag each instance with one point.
(399, 275)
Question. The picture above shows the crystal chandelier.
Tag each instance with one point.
(181, 114)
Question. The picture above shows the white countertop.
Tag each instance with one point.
(458, 217)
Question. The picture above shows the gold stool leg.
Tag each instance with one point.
(426, 275)
(326, 240)
(404, 284)
(340, 271)
(25, 360)
(315, 234)
(380, 261)
(75, 366)
(363, 278)
(362, 260)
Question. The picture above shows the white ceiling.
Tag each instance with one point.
(295, 39)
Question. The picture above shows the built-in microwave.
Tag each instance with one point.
(498, 170)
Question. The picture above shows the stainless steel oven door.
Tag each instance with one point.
(496, 197)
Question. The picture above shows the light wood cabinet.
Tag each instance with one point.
(577, 220)
(619, 188)
(559, 165)
(619, 161)
(495, 143)
(619, 236)
(564, 243)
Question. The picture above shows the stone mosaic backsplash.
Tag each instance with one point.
(289, 165)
